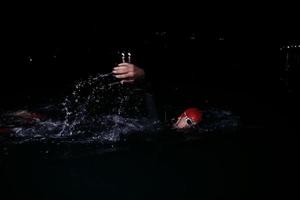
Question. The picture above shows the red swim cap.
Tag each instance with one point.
(194, 114)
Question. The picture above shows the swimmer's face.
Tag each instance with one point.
(183, 122)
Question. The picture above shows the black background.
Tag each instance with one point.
(228, 65)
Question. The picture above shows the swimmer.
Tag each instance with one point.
(190, 118)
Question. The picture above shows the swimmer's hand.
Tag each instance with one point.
(128, 73)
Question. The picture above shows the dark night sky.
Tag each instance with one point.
(43, 58)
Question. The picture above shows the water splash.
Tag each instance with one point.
(96, 97)
(98, 108)
(110, 128)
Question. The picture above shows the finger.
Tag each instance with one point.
(124, 64)
(122, 76)
(128, 65)
(120, 70)
(127, 81)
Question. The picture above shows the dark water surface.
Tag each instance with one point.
(234, 165)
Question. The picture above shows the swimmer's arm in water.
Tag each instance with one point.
(128, 73)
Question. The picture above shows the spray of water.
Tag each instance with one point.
(99, 109)
(93, 102)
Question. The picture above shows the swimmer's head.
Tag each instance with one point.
(189, 118)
